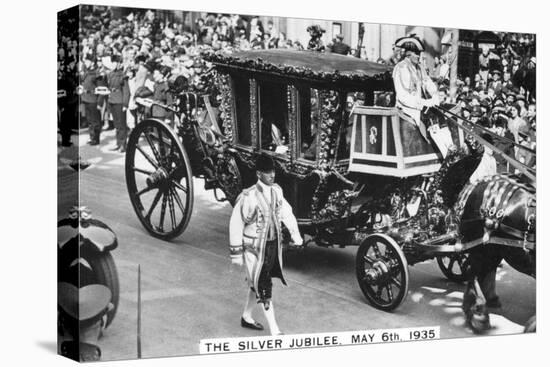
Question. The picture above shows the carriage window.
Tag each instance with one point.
(308, 115)
(273, 116)
(242, 106)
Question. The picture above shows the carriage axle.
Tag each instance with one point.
(155, 178)
(380, 273)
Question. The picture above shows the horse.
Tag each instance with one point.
(497, 219)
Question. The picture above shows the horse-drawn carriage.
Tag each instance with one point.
(354, 172)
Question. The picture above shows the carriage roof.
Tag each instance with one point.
(309, 65)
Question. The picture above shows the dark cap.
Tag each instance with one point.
(488, 138)
(501, 121)
(264, 163)
(498, 102)
(151, 65)
(517, 107)
(140, 58)
(116, 58)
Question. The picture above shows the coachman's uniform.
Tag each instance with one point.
(255, 234)
(412, 85)
(90, 80)
(119, 98)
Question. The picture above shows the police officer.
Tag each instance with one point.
(161, 92)
(90, 80)
(413, 87)
(119, 98)
(255, 240)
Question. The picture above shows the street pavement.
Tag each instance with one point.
(190, 291)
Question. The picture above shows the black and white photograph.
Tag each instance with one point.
(231, 182)
(274, 183)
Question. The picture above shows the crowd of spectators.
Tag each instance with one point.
(148, 45)
(501, 96)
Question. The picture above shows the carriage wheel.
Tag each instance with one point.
(382, 272)
(454, 266)
(159, 179)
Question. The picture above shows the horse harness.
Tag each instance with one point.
(496, 197)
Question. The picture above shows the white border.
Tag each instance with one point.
(29, 179)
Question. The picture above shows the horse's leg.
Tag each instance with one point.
(475, 308)
(474, 303)
(487, 277)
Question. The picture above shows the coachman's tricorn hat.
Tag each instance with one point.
(410, 43)
(264, 163)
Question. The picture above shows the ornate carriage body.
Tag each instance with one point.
(315, 114)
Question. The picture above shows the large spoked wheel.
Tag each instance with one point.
(382, 272)
(159, 179)
(454, 266)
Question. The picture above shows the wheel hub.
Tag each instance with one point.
(379, 273)
(157, 177)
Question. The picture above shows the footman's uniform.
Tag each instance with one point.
(255, 234)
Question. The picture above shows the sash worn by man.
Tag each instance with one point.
(255, 240)
(415, 90)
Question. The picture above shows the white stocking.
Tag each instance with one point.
(250, 302)
(270, 316)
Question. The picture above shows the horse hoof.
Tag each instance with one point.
(479, 323)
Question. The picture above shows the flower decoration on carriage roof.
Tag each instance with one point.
(260, 64)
